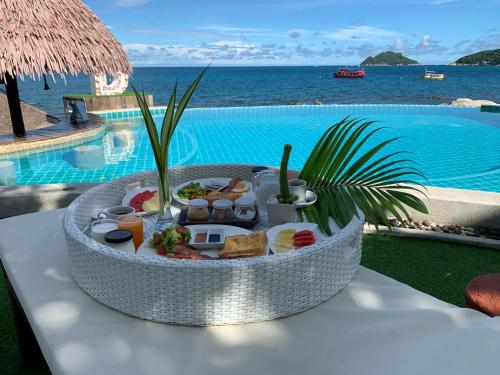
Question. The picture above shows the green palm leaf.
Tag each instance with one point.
(172, 116)
(347, 179)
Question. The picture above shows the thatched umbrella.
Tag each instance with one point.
(54, 37)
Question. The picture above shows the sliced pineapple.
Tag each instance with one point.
(284, 240)
(152, 204)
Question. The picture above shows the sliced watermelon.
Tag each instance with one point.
(137, 201)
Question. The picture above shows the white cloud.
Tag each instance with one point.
(361, 33)
(399, 44)
(237, 31)
(426, 39)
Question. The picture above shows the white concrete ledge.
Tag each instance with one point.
(434, 236)
(462, 207)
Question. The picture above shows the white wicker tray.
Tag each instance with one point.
(200, 293)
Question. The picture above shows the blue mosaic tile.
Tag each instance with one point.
(454, 146)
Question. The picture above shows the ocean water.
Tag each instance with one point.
(250, 86)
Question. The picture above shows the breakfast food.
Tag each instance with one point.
(289, 239)
(152, 204)
(303, 238)
(165, 241)
(244, 246)
(192, 190)
(182, 252)
(284, 240)
(138, 200)
(211, 191)
(240, 187)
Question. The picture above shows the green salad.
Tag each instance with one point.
(191, 191)
(165, 241)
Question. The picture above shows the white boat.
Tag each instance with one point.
(429, 74)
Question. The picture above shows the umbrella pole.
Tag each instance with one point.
(16, 115)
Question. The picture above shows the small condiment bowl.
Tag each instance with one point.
(212, 233)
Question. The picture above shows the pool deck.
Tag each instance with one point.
(62, 132)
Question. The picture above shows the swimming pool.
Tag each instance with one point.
(454, 146)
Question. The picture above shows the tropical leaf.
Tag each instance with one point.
(172, 116)
(347, 179)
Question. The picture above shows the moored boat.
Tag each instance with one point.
(346, 73)
(429, 74)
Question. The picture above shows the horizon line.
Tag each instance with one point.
(288, 66)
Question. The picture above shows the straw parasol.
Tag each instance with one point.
(53, 37)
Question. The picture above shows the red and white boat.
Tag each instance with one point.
(346, 73)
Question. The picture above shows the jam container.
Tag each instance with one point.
(245, 209)
(120, 239)
(223, 210)
(198, 210)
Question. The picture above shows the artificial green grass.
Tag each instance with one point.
(436, 268)
(10, 359)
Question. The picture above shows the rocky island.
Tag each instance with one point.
(389, 58)
(488, 57)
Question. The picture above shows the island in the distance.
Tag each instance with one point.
(389, 58)
(488, 57)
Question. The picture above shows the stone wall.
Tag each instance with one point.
(106, 103)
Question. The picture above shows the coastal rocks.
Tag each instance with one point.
(471, 103)
(454, 229)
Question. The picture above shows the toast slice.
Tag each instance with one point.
(244, 246)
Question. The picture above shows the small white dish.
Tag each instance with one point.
(311, 198)
(209, 234)
(273, 232)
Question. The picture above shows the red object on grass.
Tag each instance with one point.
(483, 294)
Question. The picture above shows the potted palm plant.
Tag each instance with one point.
(346, 180)
(160, 143)
(281, 207)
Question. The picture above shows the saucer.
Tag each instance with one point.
(311, 198)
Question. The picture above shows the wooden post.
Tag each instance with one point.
(16, 115)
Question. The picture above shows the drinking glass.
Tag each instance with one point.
(135, 224)
(268, 184)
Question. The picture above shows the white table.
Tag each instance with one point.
(376, 325)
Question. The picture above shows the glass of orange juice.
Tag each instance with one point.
(135, 225)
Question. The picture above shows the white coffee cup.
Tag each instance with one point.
(115, 212)
(298, 187)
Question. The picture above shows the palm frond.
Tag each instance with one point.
(347, 179)
(172, 116)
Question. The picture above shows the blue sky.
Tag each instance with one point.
(298, 32)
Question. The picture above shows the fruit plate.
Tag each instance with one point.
(229, 230)
(273, 232)
(220, 181)
(137, 190)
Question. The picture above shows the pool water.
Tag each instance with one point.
(454, 147)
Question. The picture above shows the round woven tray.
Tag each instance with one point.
(209, 292)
